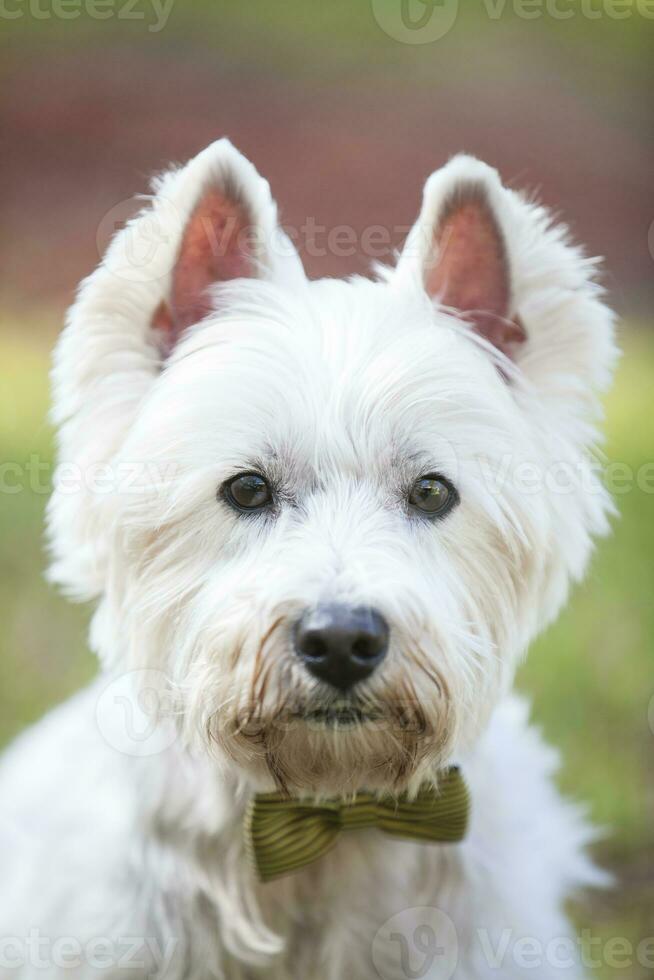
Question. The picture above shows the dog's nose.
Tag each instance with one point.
(341, 644)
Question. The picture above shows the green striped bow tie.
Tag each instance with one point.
(285, 834)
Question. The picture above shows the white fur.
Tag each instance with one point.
(345, 392)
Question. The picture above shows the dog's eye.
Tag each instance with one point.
(247, 491)
(433, 495)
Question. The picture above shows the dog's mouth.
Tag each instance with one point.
(336, 716)
(333, 743)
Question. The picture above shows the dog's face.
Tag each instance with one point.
(345, 518)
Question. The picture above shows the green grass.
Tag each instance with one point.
(590, 676)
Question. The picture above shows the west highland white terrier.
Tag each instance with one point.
(321, 522)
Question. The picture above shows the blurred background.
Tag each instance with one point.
(346, 107)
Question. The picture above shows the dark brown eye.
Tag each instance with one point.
(433, 496)
(247, 491)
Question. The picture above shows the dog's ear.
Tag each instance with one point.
(219, 243)
(459, 250)
(223, 225)
(498, 260)
(210, 221)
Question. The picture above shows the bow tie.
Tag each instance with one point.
(285, 834)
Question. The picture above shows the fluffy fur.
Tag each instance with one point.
(343, 393)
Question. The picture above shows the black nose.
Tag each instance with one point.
(341, 644)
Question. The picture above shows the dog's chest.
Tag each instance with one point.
(335, 915)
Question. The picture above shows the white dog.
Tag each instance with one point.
(322, 521)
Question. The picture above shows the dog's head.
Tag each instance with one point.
(332, 514)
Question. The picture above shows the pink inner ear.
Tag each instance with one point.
(216, 247)
(470, 272)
